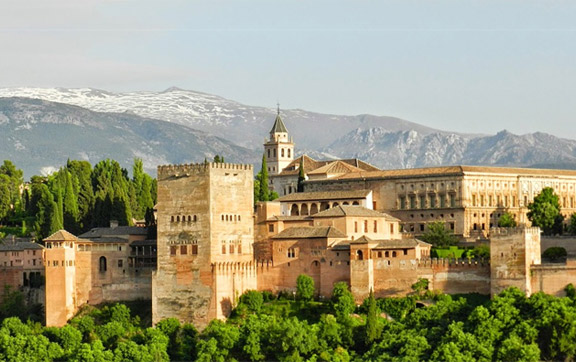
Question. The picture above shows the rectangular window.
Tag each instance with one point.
(231, 248)
(391, 228)
(442, 200)
(432, 201)
(474, 200)
(194, 249)
(239, 248)
(405, 251)
(375, 226)
(365, 226)
(513, 201)
(481, 200)
(422, 201)
(402, 202)
(223, 248)
(355, 226)
(412, 202)
(183, 249)
(120, 263)
(173, 250)
(271, 228)
(505, 201)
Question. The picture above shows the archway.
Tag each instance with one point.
(294, 210)
(313, 209)
(304, 209)
(359, 255)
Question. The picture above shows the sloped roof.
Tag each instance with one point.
(335, 167)
(348, 210)
(453, 171)
(61, 235)
(401, 243)
(311, 164)
(309, 232)
(291, 217)
(278, 126)
(116, 231)
(144, 242)
(362, 240)
(19, 246)
(324, 195)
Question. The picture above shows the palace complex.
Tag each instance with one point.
(353, 222)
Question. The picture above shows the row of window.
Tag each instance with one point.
(184, 249)
(421, 227)
(57, 263)
(441, 216)
(228, 217)
(284, 152)
(375, 226)
(430, 186)
(427, 201)
(183, 218)
(99, 247)
(233, 247)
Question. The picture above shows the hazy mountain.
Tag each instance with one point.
(407, 149)
(244, 125)
(39, 136)
(383, 141)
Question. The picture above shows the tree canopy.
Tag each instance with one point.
(438, 235)
(545, 212)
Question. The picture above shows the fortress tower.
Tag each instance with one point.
(279, 149)
(205, 236)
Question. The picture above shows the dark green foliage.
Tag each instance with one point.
(342, 301)
(421, 285)
(507, 220)
(304, 287)
(253, 300)
(372, 329)
(481, 252)
(555, 253)
(438, 235)
(301, 176)
(545, 211)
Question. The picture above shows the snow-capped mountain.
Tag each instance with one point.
(39, 136)
(244, 125)
(386, 142)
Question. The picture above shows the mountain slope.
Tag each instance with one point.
(39, 135)
(407, 149)
(244, 125)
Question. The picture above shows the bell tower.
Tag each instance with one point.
(279, 149)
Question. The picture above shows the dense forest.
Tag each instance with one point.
(287, 327)
(77, 197)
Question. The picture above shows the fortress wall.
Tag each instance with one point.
(553, 278)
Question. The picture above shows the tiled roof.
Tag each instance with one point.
(307, 232)
(291, 218)
(278, 126)
(104, 240)
(401, 243)
(335, 167)
(347, 210)
(61, 235)
(19, 246)
(117, 231)
(143, 242)
(454, 171)
(311, 164)
(324, 195)
(362, 240)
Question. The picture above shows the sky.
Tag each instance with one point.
(463, 66)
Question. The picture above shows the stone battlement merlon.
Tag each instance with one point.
(165, 171)
(514, 231)
(464, 263)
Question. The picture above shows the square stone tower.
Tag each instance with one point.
(205, 237)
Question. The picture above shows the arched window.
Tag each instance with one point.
(288, 152)
(189, 218)
(393, 254)
(172, 218)
(102, 264)
(365, 226)
(274, 153)
(282, 152)
(386, 254)
(178, 218)
(268, 153)
(360, 255)
(294, 210)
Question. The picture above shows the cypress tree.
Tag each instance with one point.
(264, 194)
(372, 332)
(301, 176)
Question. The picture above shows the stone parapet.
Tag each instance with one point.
(165, 171)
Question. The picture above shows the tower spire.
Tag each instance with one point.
(278, 104)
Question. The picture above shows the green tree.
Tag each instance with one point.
(507, 221)
(372, 328)
(301, 176)
(545, 210)
(421, 285)
(304, 287)
(438, 235)
(342, 301)
(264, 192)
(252, 299)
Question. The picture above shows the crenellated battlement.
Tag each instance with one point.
(166, 171)
(453, 263)
(514, 231)
(224, 267)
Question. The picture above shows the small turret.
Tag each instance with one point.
(279, 149)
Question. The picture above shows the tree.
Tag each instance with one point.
(301, 176)
(263, 192)
(545, 210)
(421, 285)
(507, 221)
(304, 287)
(342, 301)
(372, 330)
(438, 235)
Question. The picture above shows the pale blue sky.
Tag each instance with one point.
(466, 66)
